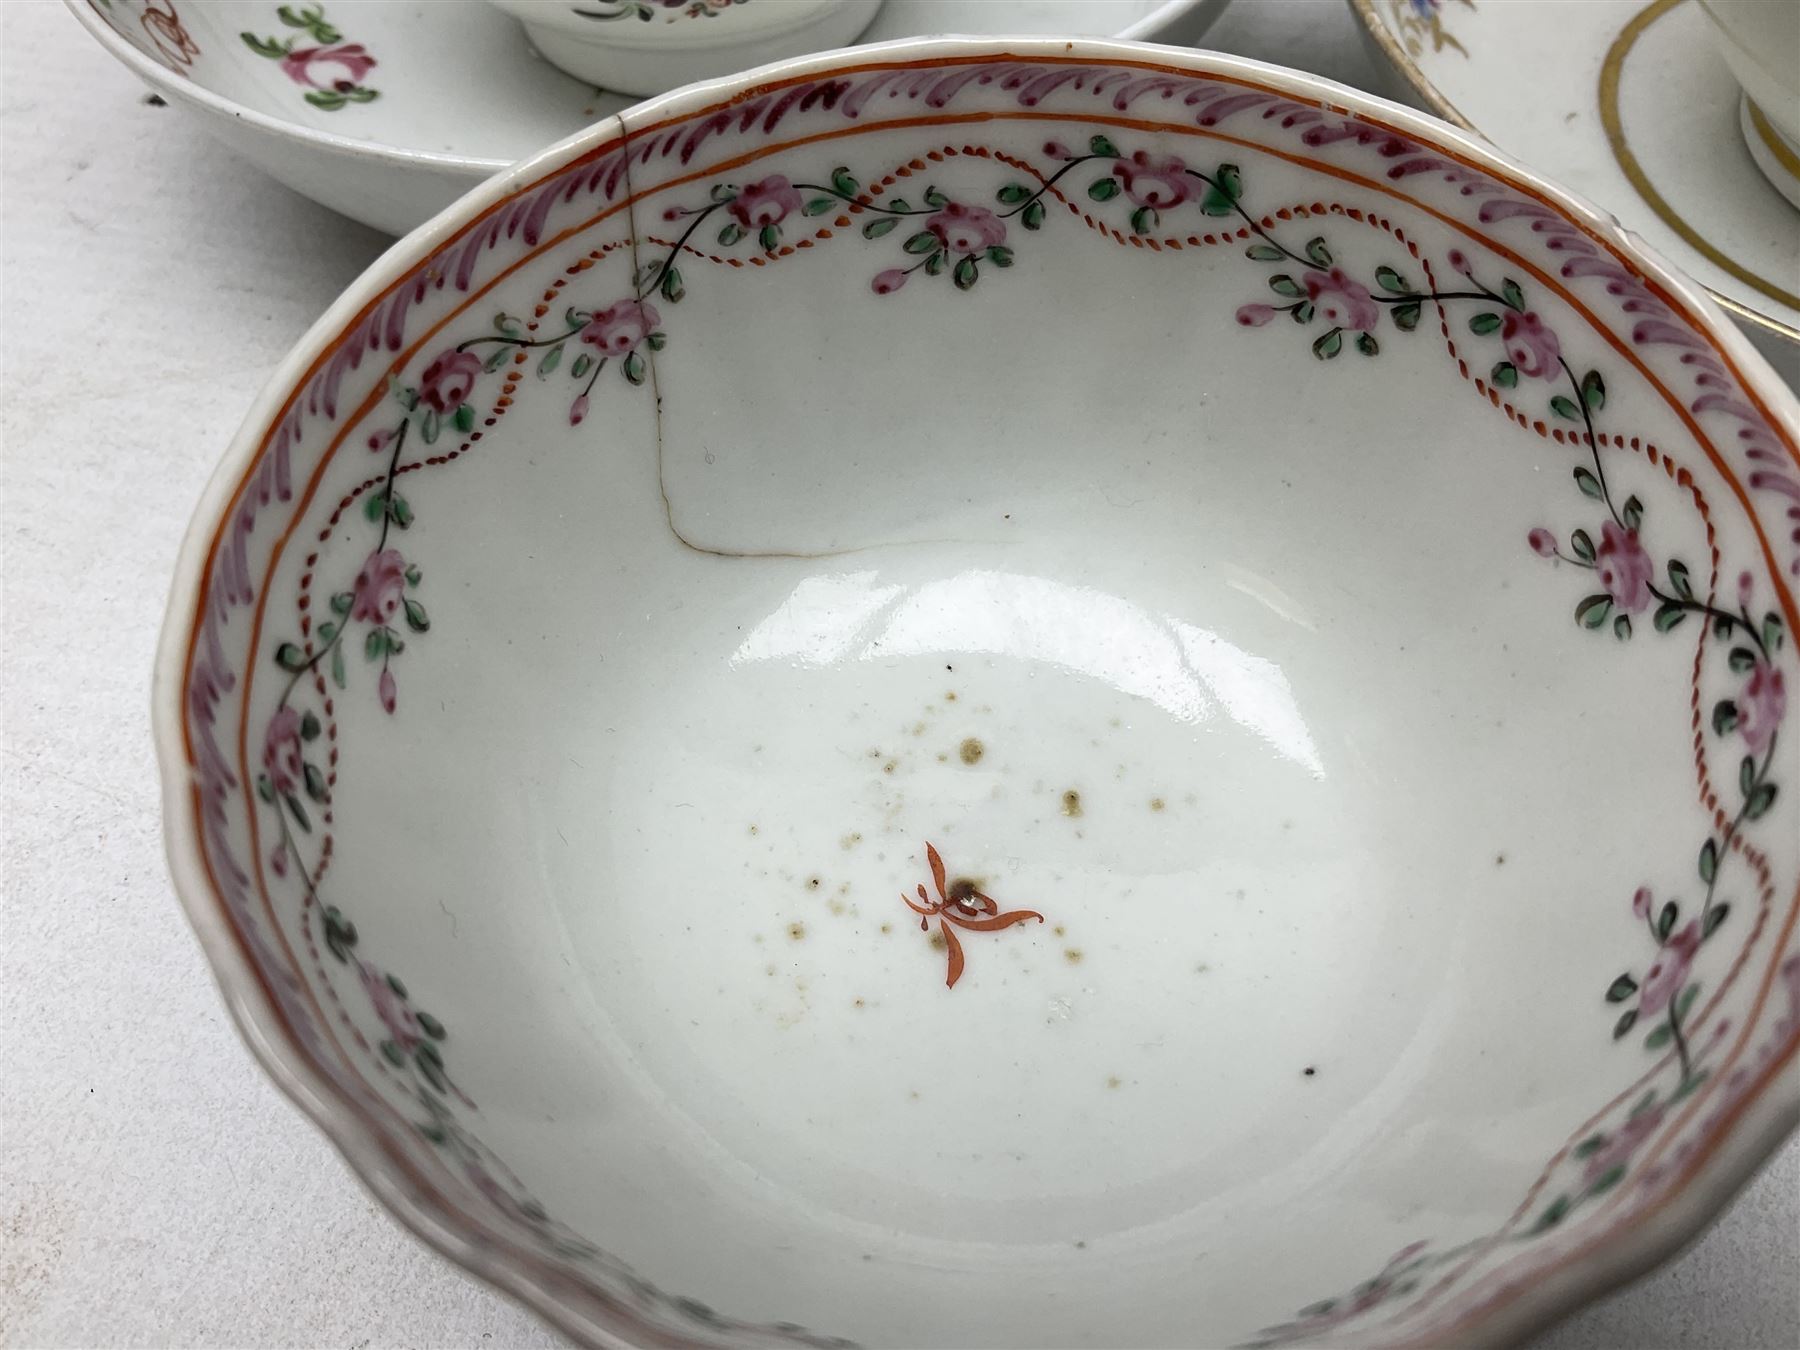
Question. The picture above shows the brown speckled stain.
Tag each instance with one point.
(1157, 803)
(796, 931)
(1072, 955)
(971, 751)
(1071, 803)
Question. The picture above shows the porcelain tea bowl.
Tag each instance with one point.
(650, 46)
(390, 112)
(1018, 693)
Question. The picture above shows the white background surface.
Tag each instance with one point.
(154, 1189)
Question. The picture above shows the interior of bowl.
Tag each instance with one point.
(1038, 697)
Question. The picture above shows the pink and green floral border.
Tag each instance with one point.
(1117, 180)
(650, 11)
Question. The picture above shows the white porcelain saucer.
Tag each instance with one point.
(390, 112)
(1630, 102)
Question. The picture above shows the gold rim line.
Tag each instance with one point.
(1784, 153)
(1396, 55)
(1611, 72)
(1376, 27)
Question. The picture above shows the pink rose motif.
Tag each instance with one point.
(620, 327)
(379, 587)
(1625, 1142)
(1342, 301)
(448, 379)
(967, 229)
(1670, 970)
(1623, 567)
(1255, 316)
(1156, 181)
(1542, 542)
(340, 68)
(281, 752)
(390, 1008)
(1640, 902)
(768, 202)
(1530, 345)
(1761, 706)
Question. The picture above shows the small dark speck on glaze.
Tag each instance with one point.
(1080, 1245)
(950, 696)
(937, 941)
(971, 751)
(890, 766)
(812, 883)
(1058, 930)
(796, 931)
(1071, 803)
(887, 927)
(1309, 1071)
(1499, 860)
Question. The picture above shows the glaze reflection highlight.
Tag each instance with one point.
(1189, 672)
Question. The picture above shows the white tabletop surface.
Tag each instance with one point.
(154, 1189)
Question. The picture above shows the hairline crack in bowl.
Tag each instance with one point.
(1011, 693)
